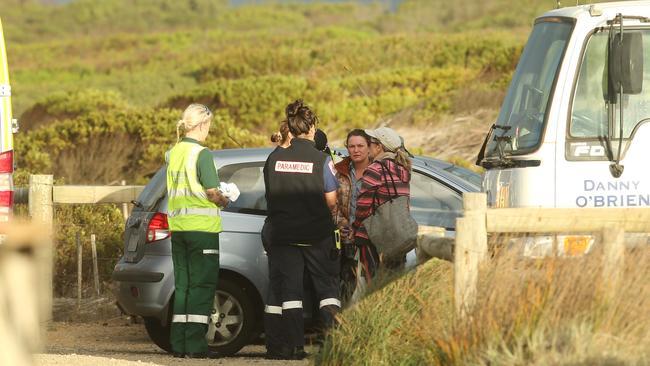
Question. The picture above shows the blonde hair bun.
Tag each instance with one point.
(194, 115)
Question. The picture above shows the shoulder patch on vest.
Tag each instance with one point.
(294, 167)
(332, 168)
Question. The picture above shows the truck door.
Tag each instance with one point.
(584, 177)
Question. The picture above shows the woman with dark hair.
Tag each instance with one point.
(300, 192)
(349, 172)
(391, 163)
(283, 137)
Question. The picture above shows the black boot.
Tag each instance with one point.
(278, 354)
(209, 354)
(299, 353)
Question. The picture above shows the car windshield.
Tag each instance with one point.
(524, 109)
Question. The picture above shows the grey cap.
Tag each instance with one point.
(387, 136)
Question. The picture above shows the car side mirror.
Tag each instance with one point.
(626, 63)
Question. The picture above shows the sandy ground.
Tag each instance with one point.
(118, 341)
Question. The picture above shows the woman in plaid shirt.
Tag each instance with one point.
(387, 149)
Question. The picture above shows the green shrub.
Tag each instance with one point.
(60, 106)
(108, 146)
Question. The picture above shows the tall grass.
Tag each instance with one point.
(554, 311)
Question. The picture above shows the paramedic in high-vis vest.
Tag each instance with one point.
(195, 222)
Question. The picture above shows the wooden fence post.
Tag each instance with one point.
(93, 247)
(42, 214)
(614, 258)
(79, 270)
(125, 206)
(475, 210)
(470, 251)
(22, 328)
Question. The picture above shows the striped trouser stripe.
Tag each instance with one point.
(179, 318)
(330, 301)
(269, 309)
(210, 251)
(193, 318)
(291, 305)
(190, 318)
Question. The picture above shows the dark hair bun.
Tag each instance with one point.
(300, 118)
(294, 109)
(276, 137)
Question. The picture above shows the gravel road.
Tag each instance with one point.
(119, 342)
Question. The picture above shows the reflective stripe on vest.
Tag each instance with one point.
(188, 206)
(186, 193)
(212, 212)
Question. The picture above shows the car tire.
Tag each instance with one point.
(158, 333)
(234, 303)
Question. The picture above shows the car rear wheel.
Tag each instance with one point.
(232, 322)
(231, 326)
(158, 332)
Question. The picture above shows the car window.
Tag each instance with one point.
(433, 203)
(249, 178)
(590, 111)
(466, 174)
(153, 191)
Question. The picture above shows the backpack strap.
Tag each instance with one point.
(385, 173)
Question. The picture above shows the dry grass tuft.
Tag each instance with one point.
(378, 330)
(555, 311)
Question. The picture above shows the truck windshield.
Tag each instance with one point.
(589, 110)
(525, 106)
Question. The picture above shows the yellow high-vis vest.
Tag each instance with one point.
(188, 207)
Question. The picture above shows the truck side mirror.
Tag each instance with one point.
(626, 63)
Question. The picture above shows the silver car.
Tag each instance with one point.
(144, 276)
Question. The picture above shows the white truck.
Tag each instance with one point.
(7, 128)
(572, 130)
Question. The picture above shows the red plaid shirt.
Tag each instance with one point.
(374, 182)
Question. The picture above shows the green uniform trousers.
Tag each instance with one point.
(196, 269)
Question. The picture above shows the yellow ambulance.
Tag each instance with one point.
(7, 126)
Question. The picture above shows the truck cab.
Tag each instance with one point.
(573, 129)
(7, 127)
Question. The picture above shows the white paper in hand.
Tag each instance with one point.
(229, 190)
